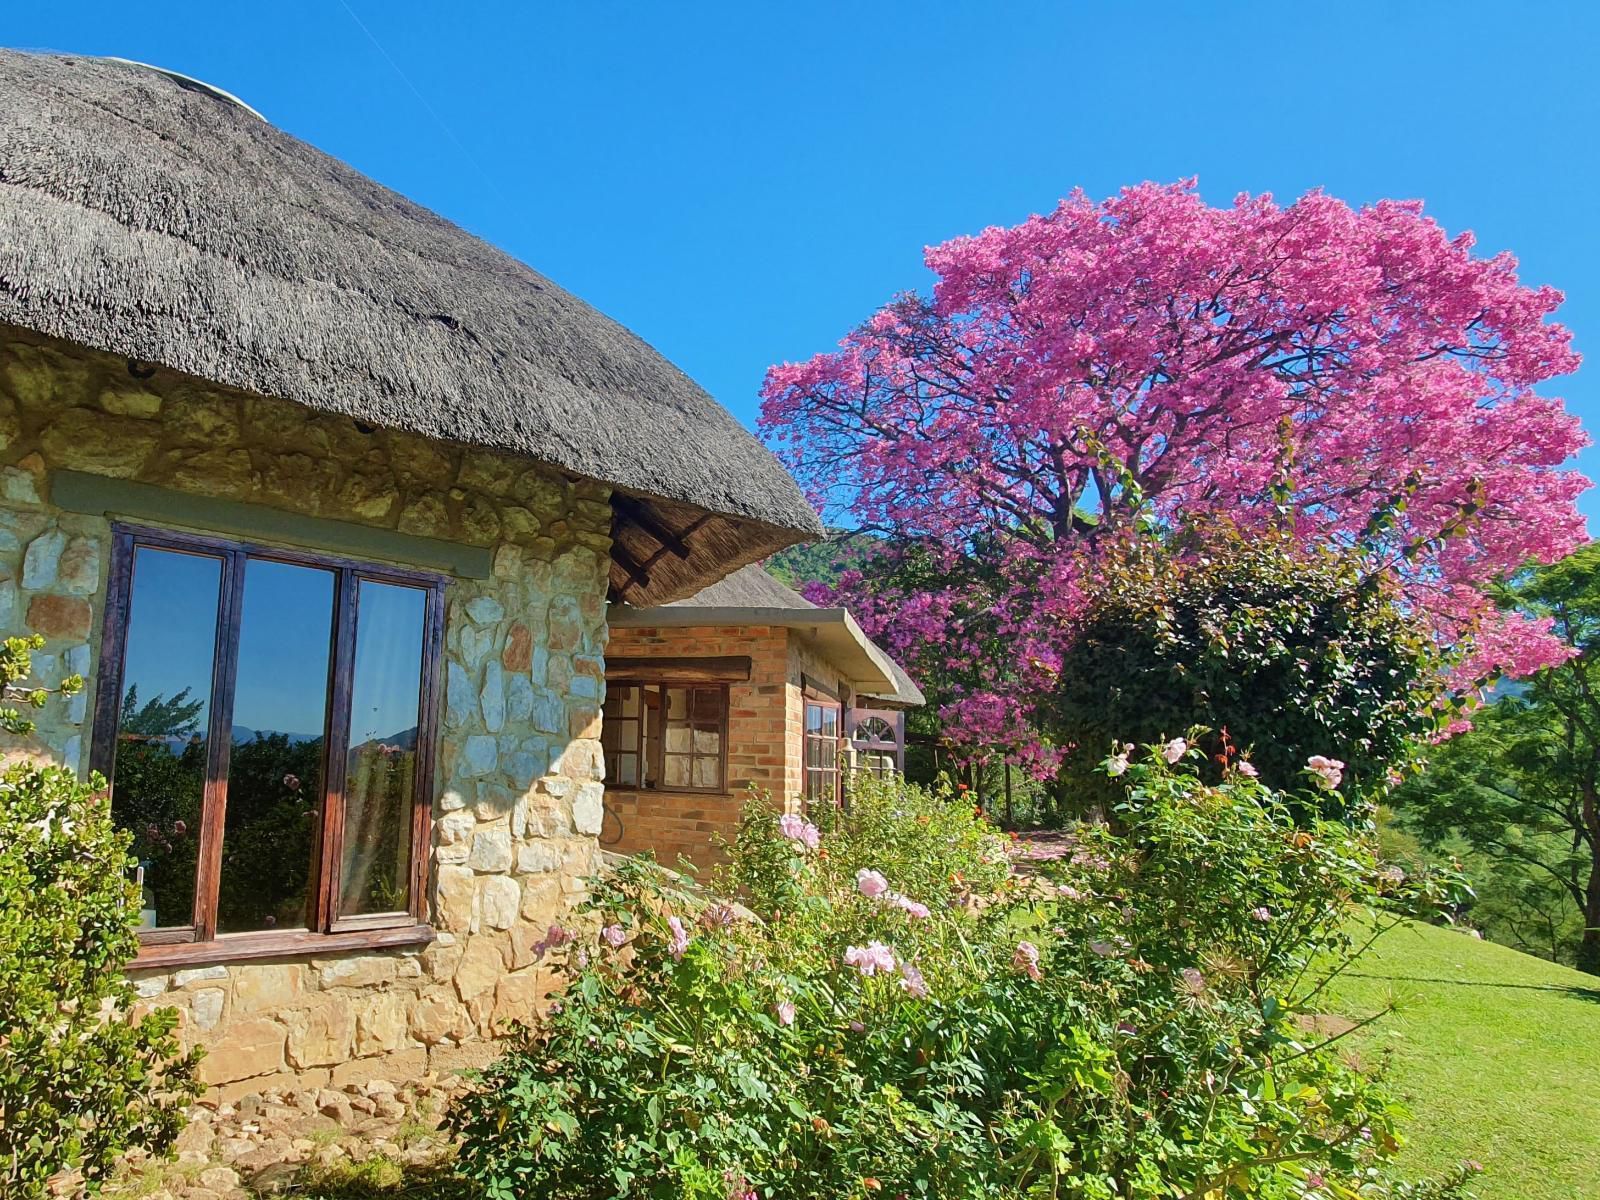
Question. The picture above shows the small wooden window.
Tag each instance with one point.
(267, 720)
(821, 749)
(667, 736)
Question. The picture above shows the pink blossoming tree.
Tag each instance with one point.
(1116, 366)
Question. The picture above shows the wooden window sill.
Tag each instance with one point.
(242, 947)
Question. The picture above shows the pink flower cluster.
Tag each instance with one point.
(874, 886)
(1329, 771)
(870, 959)
(875, 958)
(798, 829)
(679, 941)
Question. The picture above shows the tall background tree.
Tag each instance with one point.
(1519, 793)
(1111, 369)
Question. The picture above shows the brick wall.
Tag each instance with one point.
(675, 824)
(765, 724)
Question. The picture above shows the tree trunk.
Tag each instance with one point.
(1589, 944)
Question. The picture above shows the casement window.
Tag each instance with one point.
(876, 741)
(266, 719)
(821, 748)
(666, 736)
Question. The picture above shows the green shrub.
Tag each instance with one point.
(930, 841)
(81, 1078)
(1127, 1024)
(1284, 651)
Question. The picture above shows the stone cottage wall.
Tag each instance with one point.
(675, 824)
(518, 800)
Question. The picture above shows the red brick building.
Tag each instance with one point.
(743, 685)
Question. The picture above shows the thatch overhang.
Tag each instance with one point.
(752, 597)
(146, 216)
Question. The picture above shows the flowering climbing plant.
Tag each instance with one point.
(1113, 367)
(1124, 1021)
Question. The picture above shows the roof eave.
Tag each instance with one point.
(833, 630)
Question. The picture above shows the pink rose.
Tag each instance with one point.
(1329, 771)
(798, 829)
(870, 959)
(680, 937)
(911, 980)
(870, 883)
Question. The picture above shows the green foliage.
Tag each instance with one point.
(1285, 652)
(1128, 1024)
(1518, 794)
(80, 1078)
(16, 666)
(824, 561)
(930, 842)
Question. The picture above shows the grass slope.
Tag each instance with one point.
(1497, 1055)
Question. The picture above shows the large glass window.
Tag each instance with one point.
(265, 721)
(668, 736)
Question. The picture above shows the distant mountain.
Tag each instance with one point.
(406, 739)
(824, 561)
(243, 733)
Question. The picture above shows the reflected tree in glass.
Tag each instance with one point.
(159, 769)
(275, 769)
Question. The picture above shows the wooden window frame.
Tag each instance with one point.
(813, 696)
(658, 759)
(199, 941)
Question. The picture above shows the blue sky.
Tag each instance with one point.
(740, 183)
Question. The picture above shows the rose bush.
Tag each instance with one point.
(895, 1012)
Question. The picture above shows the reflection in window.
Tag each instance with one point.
(876, 742)
(665, 736)
(380, 781)
(307, 811)
(280, 708)
(692, 738)
(160, 764)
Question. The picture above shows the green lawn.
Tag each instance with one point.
(1497, 1055)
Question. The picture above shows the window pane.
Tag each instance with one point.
(676, 769)
(280, 707)
(159, 772)
(625, 770)
(385, 706)
(707, 773)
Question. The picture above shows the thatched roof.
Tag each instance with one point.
(148, 217)
(752, 596)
